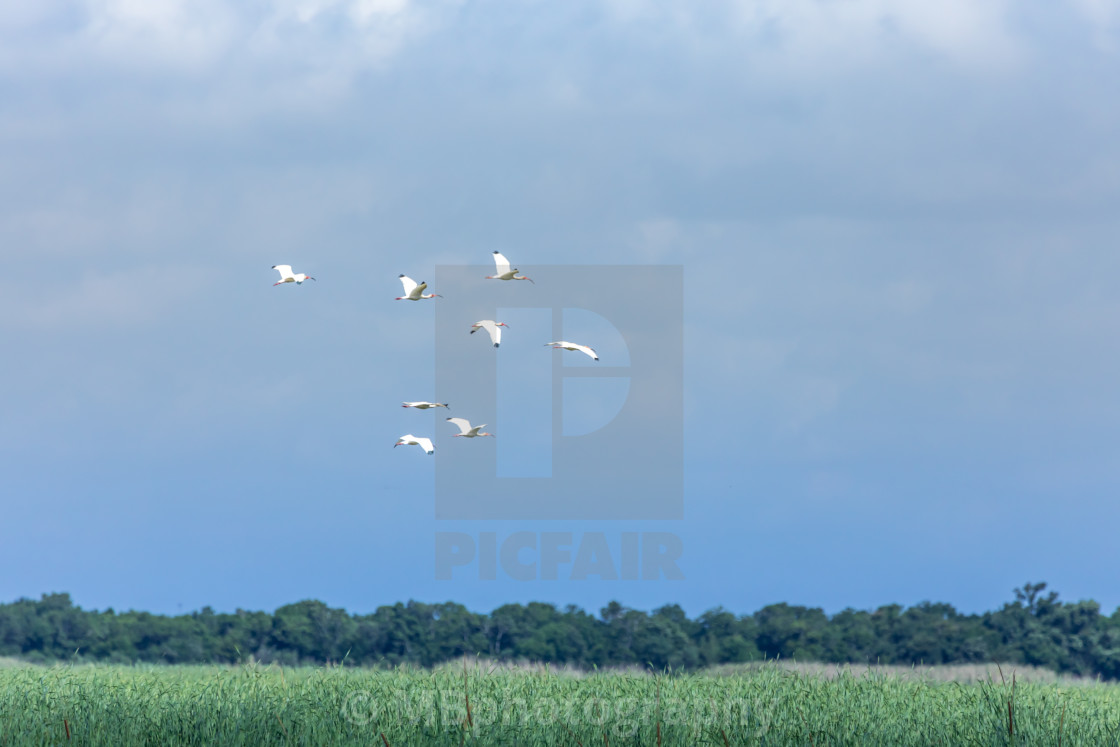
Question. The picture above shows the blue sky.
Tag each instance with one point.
(896, 220)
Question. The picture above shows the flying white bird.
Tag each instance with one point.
(414, 291)
(286, 275)
(466, 430)
(492, 328)
(504, 272)
(423, 405)
(411, 440)
(563, 345)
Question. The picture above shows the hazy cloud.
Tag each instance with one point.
(896, 221)
(101, 300)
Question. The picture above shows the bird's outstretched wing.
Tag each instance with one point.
(284, 270)
(462, 424)
(565, 345)
(409, 284)
(409, 440)
(501, 263)
(586, 351)
(494, 331)
(492, 328)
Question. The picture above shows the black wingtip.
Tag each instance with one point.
(496, 252)
(401, 275)
(496, 344)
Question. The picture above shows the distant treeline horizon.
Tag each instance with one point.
(1034, 629)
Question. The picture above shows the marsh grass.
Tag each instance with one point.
(477, 703)
(963, 673)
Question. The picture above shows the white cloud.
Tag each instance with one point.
(169, 33)
(283, 53)
(210, 38)
(365, 10)
(1104, 18)
(21, 16)
(346, 34)
(1100, 12)
(815, 36)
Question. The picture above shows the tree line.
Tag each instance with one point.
(1035, 629)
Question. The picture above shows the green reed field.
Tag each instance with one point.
(770, 705)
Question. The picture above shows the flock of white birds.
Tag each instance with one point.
(414, 291)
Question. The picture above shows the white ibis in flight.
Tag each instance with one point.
(565, 345)
(286, 275)
(494, 329)
(466, 430)
(414, 291)
(423, 405)
(411, 440)
(503, 270)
